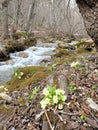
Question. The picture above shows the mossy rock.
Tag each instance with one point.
(30, 41)
(66, 46)
(4, 55)
(12, 46)
(82, 50)
(30, 76)
(61, 52)
(22, 34)
(23, 41)
(85, 45)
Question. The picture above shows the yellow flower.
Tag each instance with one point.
(74, 64)
(60, 91)
(19, 77)
(44, 103)
(16, 74)
(55, 99)
(64, 97)
(60, 106)
(21, 73)
(45, 92)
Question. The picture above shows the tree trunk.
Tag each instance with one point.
(5, 19)
(89, 12)
(18, 11)
(30, 15)
(52, 15)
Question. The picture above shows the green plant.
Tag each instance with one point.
(71, 87)
(94, 87)
(83, 117)
(88, 95)
(33, 72)
(75, 64)
(33, 93)
(52, 67)
(19, 74)
(53, 96)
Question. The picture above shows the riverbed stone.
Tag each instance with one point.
(23, 54)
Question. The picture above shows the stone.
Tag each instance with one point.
(5, 97)
(4, 55)
(92, 104)
(23, 54)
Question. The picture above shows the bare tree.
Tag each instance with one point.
(30, 15)
(52, 14)
(42, 14)
(18, 12)
(5, 18)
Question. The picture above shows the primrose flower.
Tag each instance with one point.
(21, 73)
(60, 106)
(16, 74)
(46, 91)
(64, 97)
(74, 64)
(60, 91)
(44, 103)
(55, 99)
(19, 77)
(5, 89)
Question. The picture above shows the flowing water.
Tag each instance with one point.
(40, 55)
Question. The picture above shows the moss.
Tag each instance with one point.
(65, 59)
(85, 45)
(82, 50)
(61, 52)
(30, 76)
(4, 108)
(30, 41)
(22, 34)
(2, 90)
(13, 45)
(18, 45)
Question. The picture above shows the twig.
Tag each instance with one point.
(48, 120)
(94, 117)
(71, 114)
(64, 121)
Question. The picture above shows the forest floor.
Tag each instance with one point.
(79, 78)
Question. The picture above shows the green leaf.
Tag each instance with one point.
(71, 87)
(94, 87)
(83, 117)
(34, 92)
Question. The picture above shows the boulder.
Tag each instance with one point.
(23, 54)
(83, 46)
(13, 46)
(4, 55)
